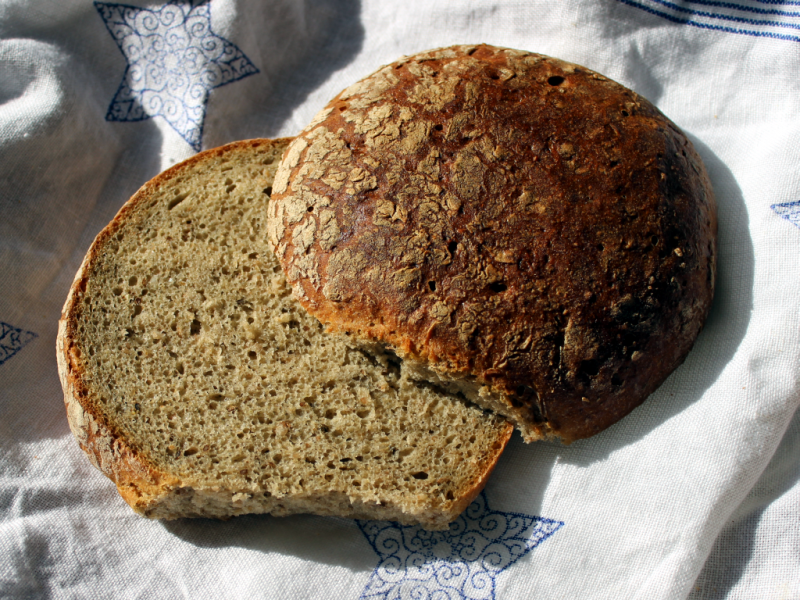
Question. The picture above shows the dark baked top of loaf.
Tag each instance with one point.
(508, 219)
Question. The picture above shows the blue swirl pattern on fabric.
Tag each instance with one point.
(12, 339)
(174, 60)
(461, 563)
(745, 17)
(789, 211)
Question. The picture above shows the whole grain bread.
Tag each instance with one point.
(517, 228)
(195, 381)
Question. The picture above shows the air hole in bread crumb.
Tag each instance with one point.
(498, 286)
(625, 113)
(555, 80)
(191, 451)
(177, 200)
(195, 327)
(420, 475)
(438, 127)
(432, 285)
(268, 191)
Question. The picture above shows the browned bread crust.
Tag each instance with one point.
(514, 226)
(137, 371)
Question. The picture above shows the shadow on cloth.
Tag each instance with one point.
(302, 46)
(327, 540)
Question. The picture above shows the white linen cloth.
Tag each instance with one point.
(695, 494)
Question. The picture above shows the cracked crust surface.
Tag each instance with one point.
(518, 228)
(196, 382)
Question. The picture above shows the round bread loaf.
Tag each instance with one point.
(512, 226)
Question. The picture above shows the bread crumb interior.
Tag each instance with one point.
(202, 360)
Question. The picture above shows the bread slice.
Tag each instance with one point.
(195, 381)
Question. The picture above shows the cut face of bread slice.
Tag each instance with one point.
(194, 380)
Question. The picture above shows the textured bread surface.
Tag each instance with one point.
(513, 226)
(196, 382)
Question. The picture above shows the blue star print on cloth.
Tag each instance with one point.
(174, 60)
(12, 340)
(460, 563)
(789, 211)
